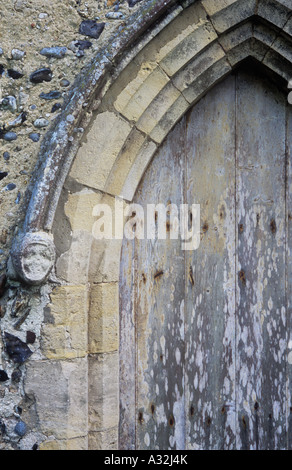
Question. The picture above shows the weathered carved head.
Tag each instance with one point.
(33, 257)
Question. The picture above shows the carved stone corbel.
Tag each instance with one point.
(33, 257)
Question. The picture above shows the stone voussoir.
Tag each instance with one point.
(206, 80)
(137, 96)
(277, 14)
(169, 119)
(158, 108)
(225, 14)
(98, 153)
(137, 169)
(128, 154)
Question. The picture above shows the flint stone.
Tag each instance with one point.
(41, 75)
(30, 337)
(64, 82)
(2, 428)
(56, 107)
(10, 187)
(55, 52)
(16, 349)
(17, 54)
(34, 137)
(80, 45)
(115, 15)
(9, 102)
(20, 428)
(3, 280)
(10, 136)
(14, 74)
(132, 3)
(41, 122)
(3, 376)
(3, 175)
(52, 95)
(91, 28)
(16, 376)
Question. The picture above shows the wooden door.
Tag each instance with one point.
(205, 334)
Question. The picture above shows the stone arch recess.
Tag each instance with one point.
(167, 56)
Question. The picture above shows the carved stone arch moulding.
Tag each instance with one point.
(164, 59)
(174, 52)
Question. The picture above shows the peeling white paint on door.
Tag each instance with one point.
(211, 356)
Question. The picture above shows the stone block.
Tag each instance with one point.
(202, 62)
(137, 169)
(184, 52)
(61, 342)
(68, 304)
(170, 118)
(79, 209)
(100, 149)
(59, 392)
(207, 80)
(72, 266)
(103, 440)
(278, 64)
(214, 7)
(236, 36)
(79, 443)
(146, 61)
(225, 14)
(276, 12)
(90, 259)
(138, 94)
(249, 48)
(104, 318)
(65, 335)
(158, 108)
(105, 261)
(103, 391)
(288, 27)
(284, 47)
(174, 34)
(264, 34)
(133, 145)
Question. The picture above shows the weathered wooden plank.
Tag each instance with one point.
(261, 316)
(210, 302)
(160, 309)
(127, 425)
(289, 271)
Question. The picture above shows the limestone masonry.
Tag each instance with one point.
(89, 90)
(43, 47)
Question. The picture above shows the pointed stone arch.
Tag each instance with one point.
(165, 59)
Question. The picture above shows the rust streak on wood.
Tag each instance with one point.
(158, 274)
